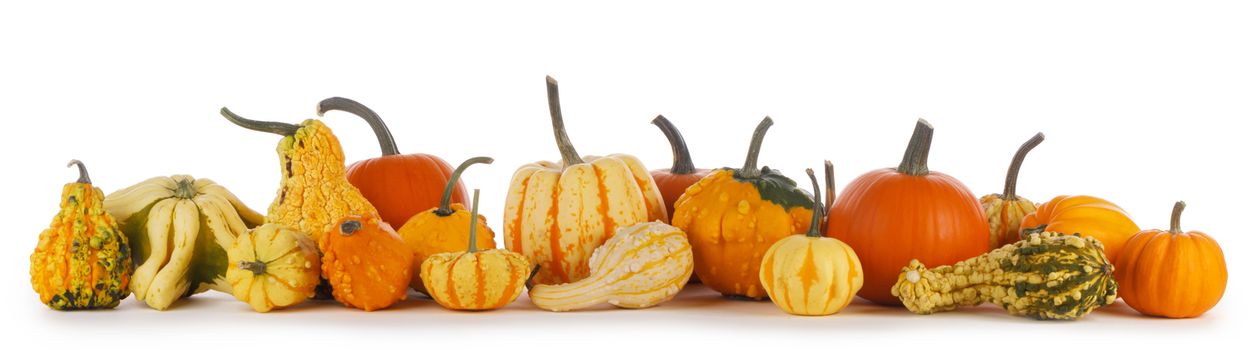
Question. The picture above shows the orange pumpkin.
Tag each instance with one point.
(1172, 273)
(892, 215)
(445, 228)
(398, 185)
(1087, 216)
(367, 264)
(682, 174)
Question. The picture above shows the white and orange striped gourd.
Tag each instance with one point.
(811, 275)
(641, 266)
(557, 214)
(475, 279)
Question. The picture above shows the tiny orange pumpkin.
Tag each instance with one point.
(1173, 273)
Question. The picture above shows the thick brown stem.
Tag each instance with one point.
(1175, 216)
(568, 155)
(750, 170)
(829, 175)
(915, 160)
(283, 129)
(82, 171)
(445, 202)
(682, 158)
(256, 267)
(474, 223)
(816, 222)
(386, 142)
(1011, 178)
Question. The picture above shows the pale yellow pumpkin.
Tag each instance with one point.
(557, 214)
(273, 267)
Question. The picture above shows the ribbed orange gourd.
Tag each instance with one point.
(399, 185)
(1005, 210)
(1087, 216)
(445, 228)
(811, 275)
(475, 279)
(367, 264)
(1173, 273)
(733, 216)
(557, 214)
(892, 215)
(682, 174)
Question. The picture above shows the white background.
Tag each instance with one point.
(1143, 103)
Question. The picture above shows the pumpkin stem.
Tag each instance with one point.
(750, 170)
(256, 267)
(386, 142)
(474, 223)
(185, 189)
(829, 175)
(446, 200)
(568, 155)
(530, 280)
(82, 171)
(1011, 179)
(817, 219)
(349, 227)
(915, 160)
(283, 129)
(682, 158)
(1174, 217)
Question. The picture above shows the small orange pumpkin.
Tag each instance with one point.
(367, 264)
(1173, 274)
(682, 174)
(445, 228)
(1087, 216)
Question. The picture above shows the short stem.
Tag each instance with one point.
(474, 223)
(682, 158)
(185, 189)
(1011, 178)
(816, 221)
(915, 160)
(82, 171)
(283, 129)
(829, 175)
(256, 267)
(568, 155)
(530, 279)
(1174, 218)
(750, 170)
(445, 202)
(349, 227)
(386, 142)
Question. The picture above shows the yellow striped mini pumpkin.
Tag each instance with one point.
(811, 275)
(475, 279)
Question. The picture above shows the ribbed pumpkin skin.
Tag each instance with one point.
(672, 186)
(811, 276)
(731, 224)
(890, 218)
(314, 191)
(482, 280)
(273, 267)
(428, 234)
(643, 265)
(1176, 275)
(556, 217)
(1005, 218)
(368, 268)
(82, 260)
(403, 185)
(1087, 216)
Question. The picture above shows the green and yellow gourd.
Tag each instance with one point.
(1047, 276)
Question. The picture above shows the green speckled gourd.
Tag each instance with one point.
(1047, 276)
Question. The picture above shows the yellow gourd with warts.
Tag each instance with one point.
(475, 279)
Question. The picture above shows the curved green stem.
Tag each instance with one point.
(446, 201)
(829, 175)
(386, 142)
(817, 217)
(474, 223)
(256, 267)
(82, 171)
(1011, 178)
(283, 129)
(1175, 216)
(568, 155)
(682, 158)
(915, 160)
(750, 170)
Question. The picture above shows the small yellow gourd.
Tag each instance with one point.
(643, 265)
(445, 228)
(273, 267)
(475, 279)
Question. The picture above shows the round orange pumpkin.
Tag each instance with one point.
(892, 215)
(398, 185)
(367, 264)
(682, 174)
(1171, 273)
(1087, 216)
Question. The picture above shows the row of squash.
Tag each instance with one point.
(592, 230)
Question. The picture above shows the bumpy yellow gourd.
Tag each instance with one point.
(445, 228)
(475, 279)
(641, 266)
(1005, 210)
(273, 267)
(811, 275)
(1047, 275)
(82, 260)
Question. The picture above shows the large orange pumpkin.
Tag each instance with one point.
(398, 185)
(892, 215)
(1172, 273)
(682, 174)
(1087, 216)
